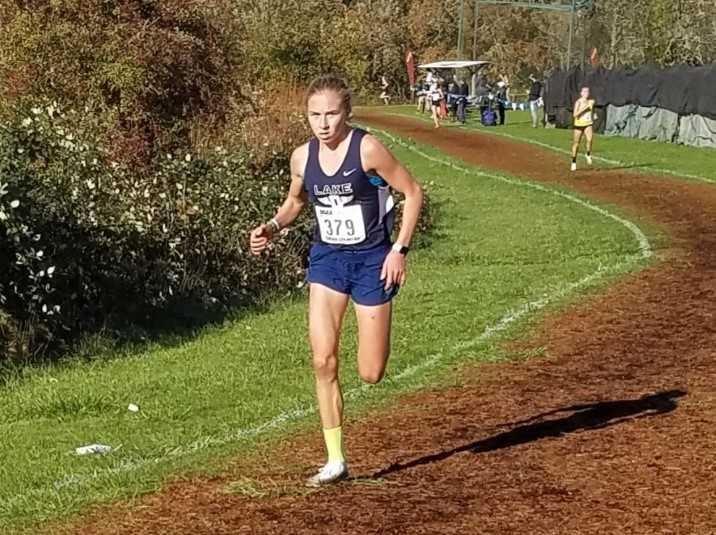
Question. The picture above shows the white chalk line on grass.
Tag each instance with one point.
(69, 481)
(594, 156)
(510, 318)
(644, 245)
(607, 160)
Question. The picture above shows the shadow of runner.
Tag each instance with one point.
(584, 417)
(624, 167)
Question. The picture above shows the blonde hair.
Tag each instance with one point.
(332, 82)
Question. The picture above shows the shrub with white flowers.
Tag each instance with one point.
(87, 242)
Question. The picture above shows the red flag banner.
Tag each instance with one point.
(410, 64)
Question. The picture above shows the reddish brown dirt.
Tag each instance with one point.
(611, 432)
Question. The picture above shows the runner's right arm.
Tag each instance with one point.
(578, 109)
(291, 207)
(582, 106)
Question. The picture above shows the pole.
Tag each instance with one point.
(571, 34)
(461, 32)
(584, 41)
(474, 30)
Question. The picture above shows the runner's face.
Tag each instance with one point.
(585, 93)
(327, 116)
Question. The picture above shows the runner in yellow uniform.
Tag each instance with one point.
(583, 124)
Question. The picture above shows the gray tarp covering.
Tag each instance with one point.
(622, 121)
(643, 123)
(661, 125)
(697, 131)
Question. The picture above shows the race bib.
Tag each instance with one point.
(341, 225)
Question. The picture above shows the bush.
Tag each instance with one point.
(87, 241)
(149, 69)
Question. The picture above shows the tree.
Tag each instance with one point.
(147, 69)
(432, 28)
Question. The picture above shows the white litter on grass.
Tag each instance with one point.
(71, 480)
(93, 449)
(133, 408)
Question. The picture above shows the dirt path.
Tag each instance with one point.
(612, 432)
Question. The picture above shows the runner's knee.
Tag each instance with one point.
(374, 372)
(372, 376)
(325, 366)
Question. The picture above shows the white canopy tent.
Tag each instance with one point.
(472, 66)
(454, 65)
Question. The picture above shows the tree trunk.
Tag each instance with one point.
(614, 41)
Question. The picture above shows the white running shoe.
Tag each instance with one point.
(589, 160)
(573, 167)
(330, 473)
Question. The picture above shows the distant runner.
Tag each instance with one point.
(436, 100)
(583, 124)
(384, 96)
(346, 174)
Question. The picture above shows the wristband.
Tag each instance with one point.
(275, 225)
(400, 248)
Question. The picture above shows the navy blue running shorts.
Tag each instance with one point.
(355, 273)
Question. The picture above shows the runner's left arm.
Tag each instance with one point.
(376, 157)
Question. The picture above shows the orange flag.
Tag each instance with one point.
(410, 64)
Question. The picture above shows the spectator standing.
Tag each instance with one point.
(502, 88)
(463, 92)
(535, 98)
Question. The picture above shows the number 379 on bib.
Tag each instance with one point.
(341, 225)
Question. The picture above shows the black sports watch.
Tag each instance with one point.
(400, 248)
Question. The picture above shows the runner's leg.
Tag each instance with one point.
(373, 340)
(589, 134)
(575, 148)
(575, 143)
(326, 310)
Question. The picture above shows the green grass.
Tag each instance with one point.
(497, 246)
(639, 155)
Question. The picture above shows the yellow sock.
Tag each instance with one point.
(334, 444)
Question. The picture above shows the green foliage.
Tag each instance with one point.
(288, 41)
(148, 68)
(116, 207)
(661, 32)
(433, 28)
(87, 240)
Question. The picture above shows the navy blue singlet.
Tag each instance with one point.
(354, 210)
